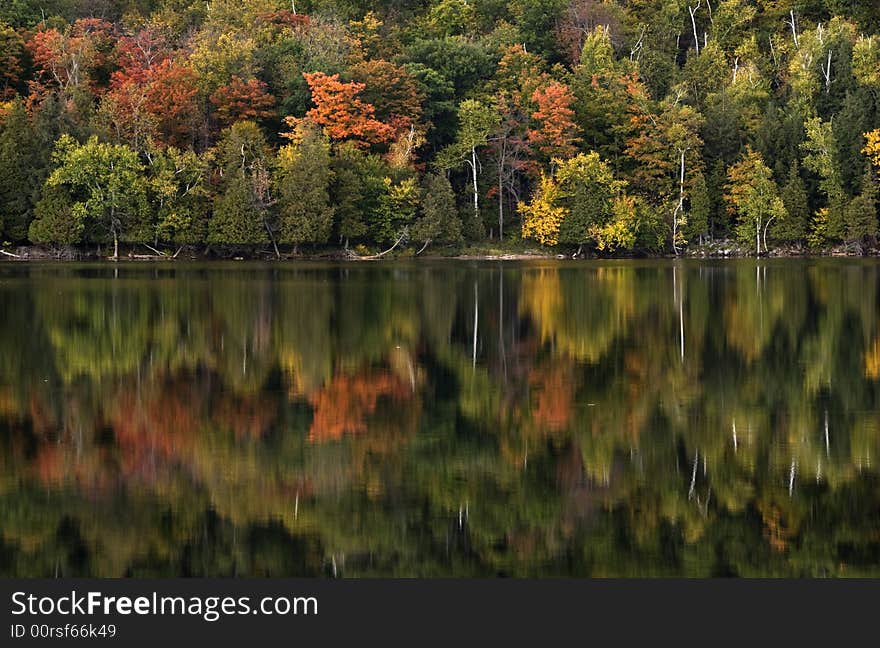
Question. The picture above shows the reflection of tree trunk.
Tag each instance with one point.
(678, 295)
(501, 320)
(476, 322)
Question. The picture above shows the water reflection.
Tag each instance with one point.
(629, 418)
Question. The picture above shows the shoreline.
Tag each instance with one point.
(716, 250)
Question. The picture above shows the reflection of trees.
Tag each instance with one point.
(616, 419)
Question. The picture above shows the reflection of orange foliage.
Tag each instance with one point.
(341, 407)
(50, 464)
(247, 417)
(42, 418)
(552, 397)
(154, 428)
(59, 463)
(774, 528)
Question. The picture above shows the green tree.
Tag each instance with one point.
(54, 220)
(237, 219)
(700, 209)
(477, 121)
(397, 210)
(179, 194)
(302, 186)
(861, 212)
(794, 196)
(108, 187)
(439, 222)
(822, 158)
(16, 175)
(753, 198)
(241, 208)
(357, 187)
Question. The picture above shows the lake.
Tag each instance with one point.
(440, 418)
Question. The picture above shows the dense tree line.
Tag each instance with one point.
(601, 124)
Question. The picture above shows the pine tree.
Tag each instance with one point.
(302, 181)
(439, 221)
(794, 196)
(698, 214)
(241, 208)
(861, 212)
(237, 219)
(17, 174)
(55, 220)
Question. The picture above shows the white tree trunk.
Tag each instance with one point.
(693, 12)
(476, 190)
(758, 236)
(680, 208)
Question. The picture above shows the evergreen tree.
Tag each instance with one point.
(861, 213)
(439, 221)
(302, 181)
(794, 196)
(237, 219)
(55, 221)
(17, 173)
(698, 214)
(240, 209)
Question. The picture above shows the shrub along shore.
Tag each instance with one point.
(725, 249)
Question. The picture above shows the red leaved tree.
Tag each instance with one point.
(242, 100)
(558, 134)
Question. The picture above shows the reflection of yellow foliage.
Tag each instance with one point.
(582, 315)
(872, 360)
(542, 299)
(7, 403)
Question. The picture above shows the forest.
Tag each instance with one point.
(606, 126)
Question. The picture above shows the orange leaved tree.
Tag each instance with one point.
(340, 111)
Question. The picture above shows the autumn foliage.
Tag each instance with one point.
(343, 405)
(557, 135)
(242, 100)
(340, 111)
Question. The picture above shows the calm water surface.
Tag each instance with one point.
(441, 418)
